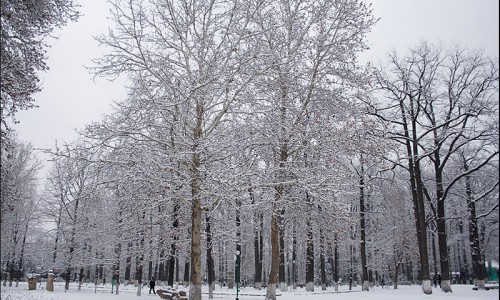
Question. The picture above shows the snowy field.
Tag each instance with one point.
(103, 292)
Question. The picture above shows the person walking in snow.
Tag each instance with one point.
(152, 285)
(439, 280)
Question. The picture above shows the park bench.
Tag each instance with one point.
(172, 294)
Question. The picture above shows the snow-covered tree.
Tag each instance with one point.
(309, 50)
(190, 62)
(74, 190)
(436, 103)
(26, 26)
(19, 204)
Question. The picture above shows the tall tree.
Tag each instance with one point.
(26, 25)
(186, 59)
(444, 100)
(478, 188)
(75, 183)
(399, 107)
(306, 46)
(19, 203)
(470, 81)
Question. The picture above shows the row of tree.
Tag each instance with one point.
(249, 126)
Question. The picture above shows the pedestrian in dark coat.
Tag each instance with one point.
(152, 285)
(439, 280)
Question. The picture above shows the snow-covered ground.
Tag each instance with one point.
(103, 292)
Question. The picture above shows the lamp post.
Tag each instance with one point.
(237, 275)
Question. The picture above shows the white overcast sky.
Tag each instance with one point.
(71, 98)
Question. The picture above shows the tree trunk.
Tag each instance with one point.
(238, 239)
(409, 276)
(351, 257)
(465, 269)
(186, 272)
(281, 275)
(195, 284)
(424, 257)
(294, 257)
(196, 272)
(138, 273)
(275, 251)
(396, 274)
(336, 263)
(277, 208)
(322, 260)
(96, 276)
(80, 279)
(127, 269)
(257, 247)
(210, 259)
(221, 265)
(173, 247)
(177, 270)
(261, 247)
(161, 270)
(167, 266)
(364, 265)
(20, 266)
(475, 249)
(309, 251)
(58, 229)
(117, 278)
(434, 255)
(72, 243)
(309, 260)
(275, 218)
(441, 222)
(68, 270)
(417, 194)
(118, 252)
(150, 269)
(171, 266)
